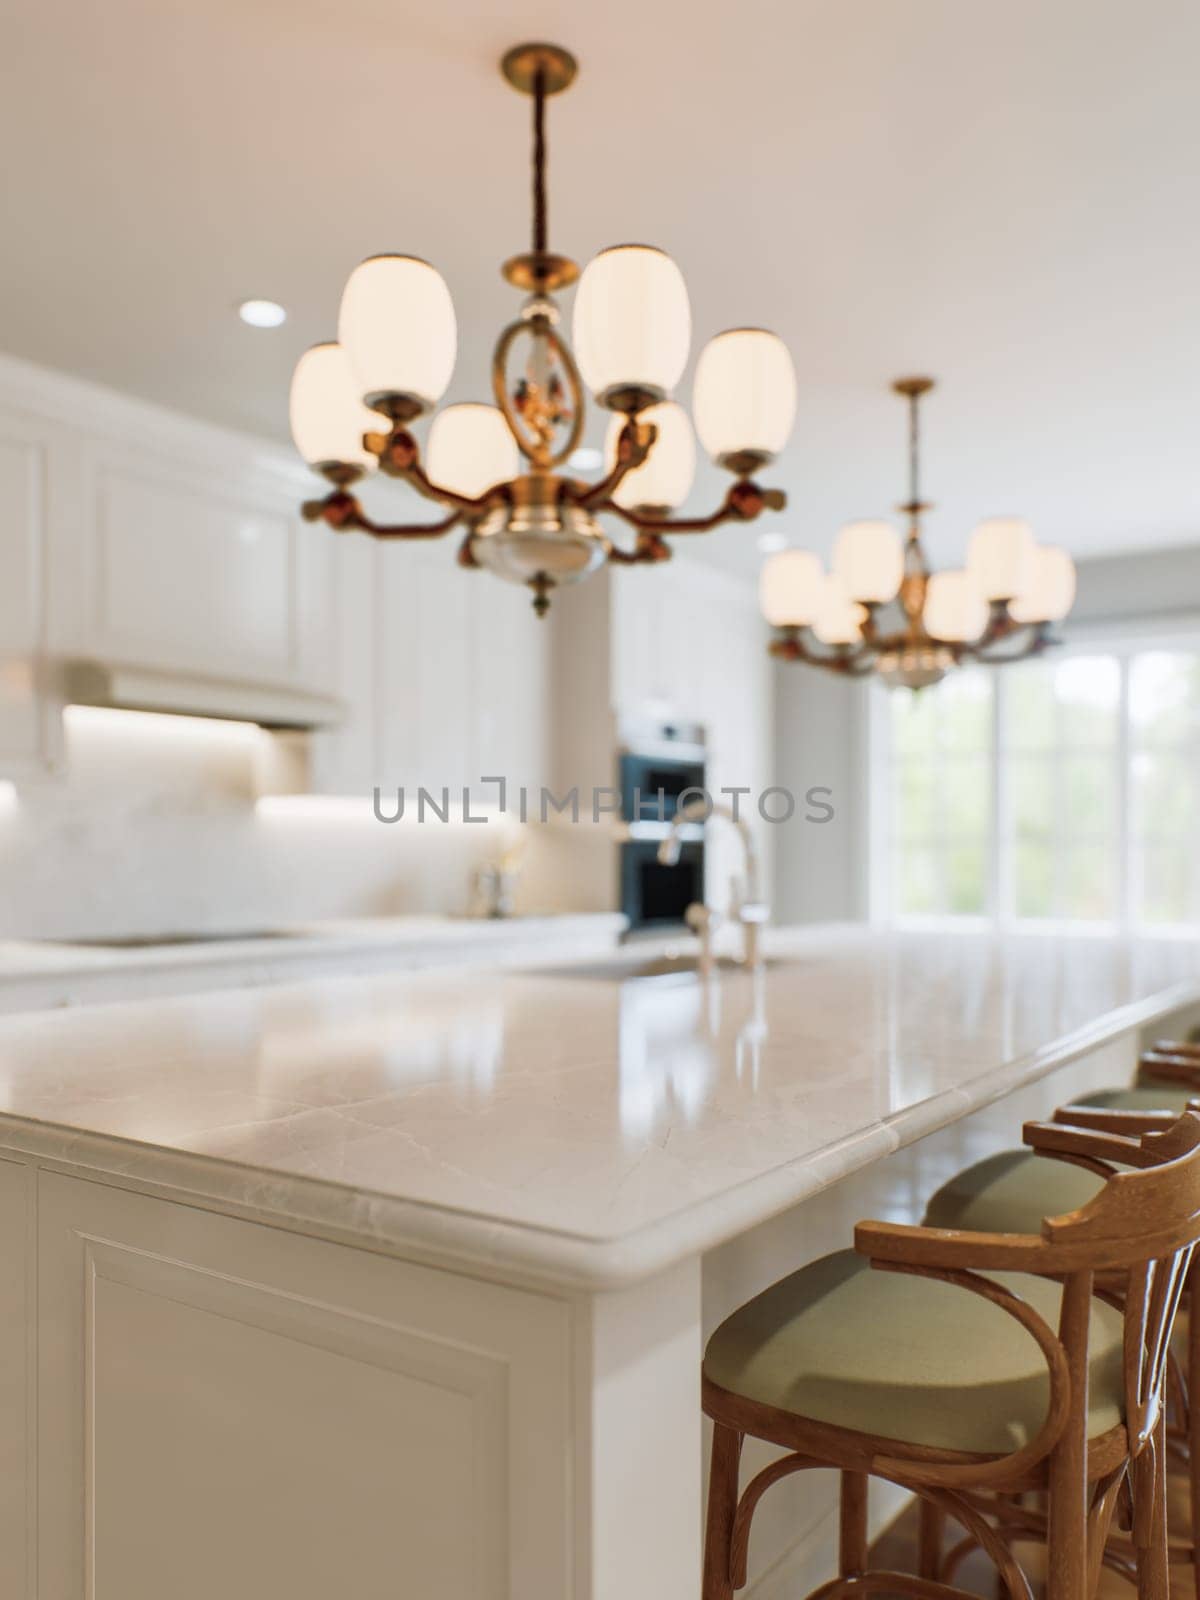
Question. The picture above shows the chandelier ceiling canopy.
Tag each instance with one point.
(498, 471)
(996, 609)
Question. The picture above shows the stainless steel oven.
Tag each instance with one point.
(654, 897)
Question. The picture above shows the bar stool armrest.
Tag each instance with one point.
(1097, 1149)
(1130, 1123)
(904, 1244)
(1169, 1067)
(1176, 1047)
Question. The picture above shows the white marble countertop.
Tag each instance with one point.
(560, 1123)
(35, 974)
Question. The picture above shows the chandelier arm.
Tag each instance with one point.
(343, 513)
(790, 645)
(1035, 638)
(651, 549)
(400, 457)
(636, 441)
(744, 501)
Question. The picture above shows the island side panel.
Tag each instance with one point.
(637, 1446)
(17, 1387)
(231, 1409)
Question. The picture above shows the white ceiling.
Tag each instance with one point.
(1004, 194)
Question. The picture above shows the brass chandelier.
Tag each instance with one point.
(527, 520)
(997, 609)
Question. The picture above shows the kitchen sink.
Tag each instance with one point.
(626, 967)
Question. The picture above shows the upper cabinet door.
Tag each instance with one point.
(425, 704)
(184, 570)
(29, 725)
(510, 647)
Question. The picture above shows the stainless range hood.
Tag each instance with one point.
(97, 683)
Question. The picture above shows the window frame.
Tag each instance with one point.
(1124, 641)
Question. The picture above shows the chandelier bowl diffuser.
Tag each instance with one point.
(997, 609)
(498, 471)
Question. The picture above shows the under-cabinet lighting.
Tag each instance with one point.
(157, 725)
(314, 807)
(361, 808)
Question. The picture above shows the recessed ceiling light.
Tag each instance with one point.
(770, 544)
(585, 459)
(262, 313)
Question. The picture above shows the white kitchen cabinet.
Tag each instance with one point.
(17, 1344)
(30, 456)
(186, 570)
(224, 1408)
(510, 664)
(461, 676)
(152, 555)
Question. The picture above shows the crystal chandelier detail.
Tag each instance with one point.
(496, 471)
(997, 609)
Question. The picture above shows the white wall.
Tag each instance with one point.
(1143, 584)
(821, 740)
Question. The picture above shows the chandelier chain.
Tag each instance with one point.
(540, 229)
(914, 450)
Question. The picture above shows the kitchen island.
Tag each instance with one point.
(399, 1285)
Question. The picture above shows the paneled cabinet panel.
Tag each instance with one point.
(227, 1409)
(29, 740)
(16, 1391)
(181, 573)
(461, 666)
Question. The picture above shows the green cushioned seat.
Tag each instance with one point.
(907, 1358)
(1011, 1193)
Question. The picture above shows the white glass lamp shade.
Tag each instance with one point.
(1000, 555)
(955, 609)
(327, 416)
(839, 619)
(664, 480)
(744, 398)
(397, 325)
(471, 449)
(868, 557)
(1052, 592)
(632, 325)
(791, 588)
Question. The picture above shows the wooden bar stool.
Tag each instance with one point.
(1010, 1192)
(974, 1366)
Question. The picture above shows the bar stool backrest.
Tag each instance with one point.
(1147, 1222)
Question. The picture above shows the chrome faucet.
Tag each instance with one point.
(748, 907)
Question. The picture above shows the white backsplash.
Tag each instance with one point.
(156, 830)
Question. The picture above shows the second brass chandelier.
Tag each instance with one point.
(996, 609)
(528, 520)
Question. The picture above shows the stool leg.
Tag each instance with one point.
(931, 1529)
(852, 1533)
(1152, 1579)
(722, 1507)
(1067, 1508)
